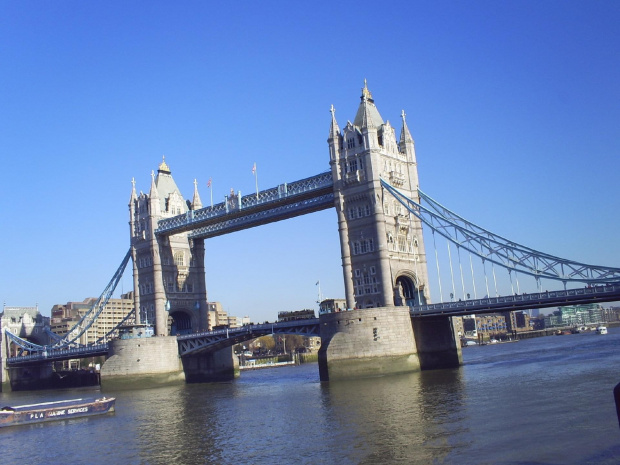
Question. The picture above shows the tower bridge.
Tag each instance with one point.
(391, 325)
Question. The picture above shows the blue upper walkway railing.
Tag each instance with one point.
(56, 355)
(586, 295)
(221, 338)
(235, 213)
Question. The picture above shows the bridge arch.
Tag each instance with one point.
(407, 291)
(181, 321)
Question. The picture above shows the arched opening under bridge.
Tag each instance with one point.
(179, 322)
(407, 292)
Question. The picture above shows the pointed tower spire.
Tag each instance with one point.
(153, 192)
(163, 166)
(334, 130)
(406, 144)
(367, 114)
(196, 203)
(133, 191)
(132, 202)
(335, 137)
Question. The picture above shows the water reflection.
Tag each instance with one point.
(546, 401)
(396, 419)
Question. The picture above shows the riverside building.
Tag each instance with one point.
(65, 316)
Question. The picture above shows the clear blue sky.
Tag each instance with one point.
(514, 107)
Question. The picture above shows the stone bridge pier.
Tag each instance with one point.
(385, 340)
(156, 361)
(221, 365)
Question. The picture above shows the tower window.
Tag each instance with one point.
(350, 142)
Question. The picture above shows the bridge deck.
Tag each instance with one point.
(214, 340)
(587, 295)
(58, 355)
(279, 203)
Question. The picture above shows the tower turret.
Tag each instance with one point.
(169, 282)
(196, 202)
(383, 256)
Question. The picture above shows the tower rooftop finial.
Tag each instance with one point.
(164, 166)
(366, 95)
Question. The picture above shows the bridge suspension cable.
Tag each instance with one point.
(497, 249)
(82, 325)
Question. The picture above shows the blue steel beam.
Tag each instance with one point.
(209, 341)
(79, 328)
(586, 295)
(278, 203)
(499, 250)
(257, 218)
(55, 355)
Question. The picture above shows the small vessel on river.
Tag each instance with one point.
(58, 410)
(601, 330)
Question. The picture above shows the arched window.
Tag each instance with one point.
(179, 258)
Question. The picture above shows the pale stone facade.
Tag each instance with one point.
(383, 256)
(169, 278)
(25, 322)
(155, 359)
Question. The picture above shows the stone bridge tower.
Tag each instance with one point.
(168, 272)
(383, 257)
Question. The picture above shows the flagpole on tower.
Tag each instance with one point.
(210, 189)
(318, 283)
(255, 179)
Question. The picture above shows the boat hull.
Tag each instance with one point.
(51, 411)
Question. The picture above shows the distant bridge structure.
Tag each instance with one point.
(381, 213)
(312, 194)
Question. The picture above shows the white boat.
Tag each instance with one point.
(601, 330)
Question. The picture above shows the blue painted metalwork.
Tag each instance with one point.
(55, 355)
(284, 201)
(498, 250)
(277, 213)
(68, 341)
(316, 193)
(221, 338)
(606, 293)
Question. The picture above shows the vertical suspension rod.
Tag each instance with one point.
(437, 263)
(451, 270)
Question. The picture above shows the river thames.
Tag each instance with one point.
(539, 401)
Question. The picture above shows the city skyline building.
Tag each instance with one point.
(66, 316)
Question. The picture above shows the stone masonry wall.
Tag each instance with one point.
(367, 342)
(154, 357)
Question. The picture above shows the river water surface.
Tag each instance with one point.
(539, 401)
